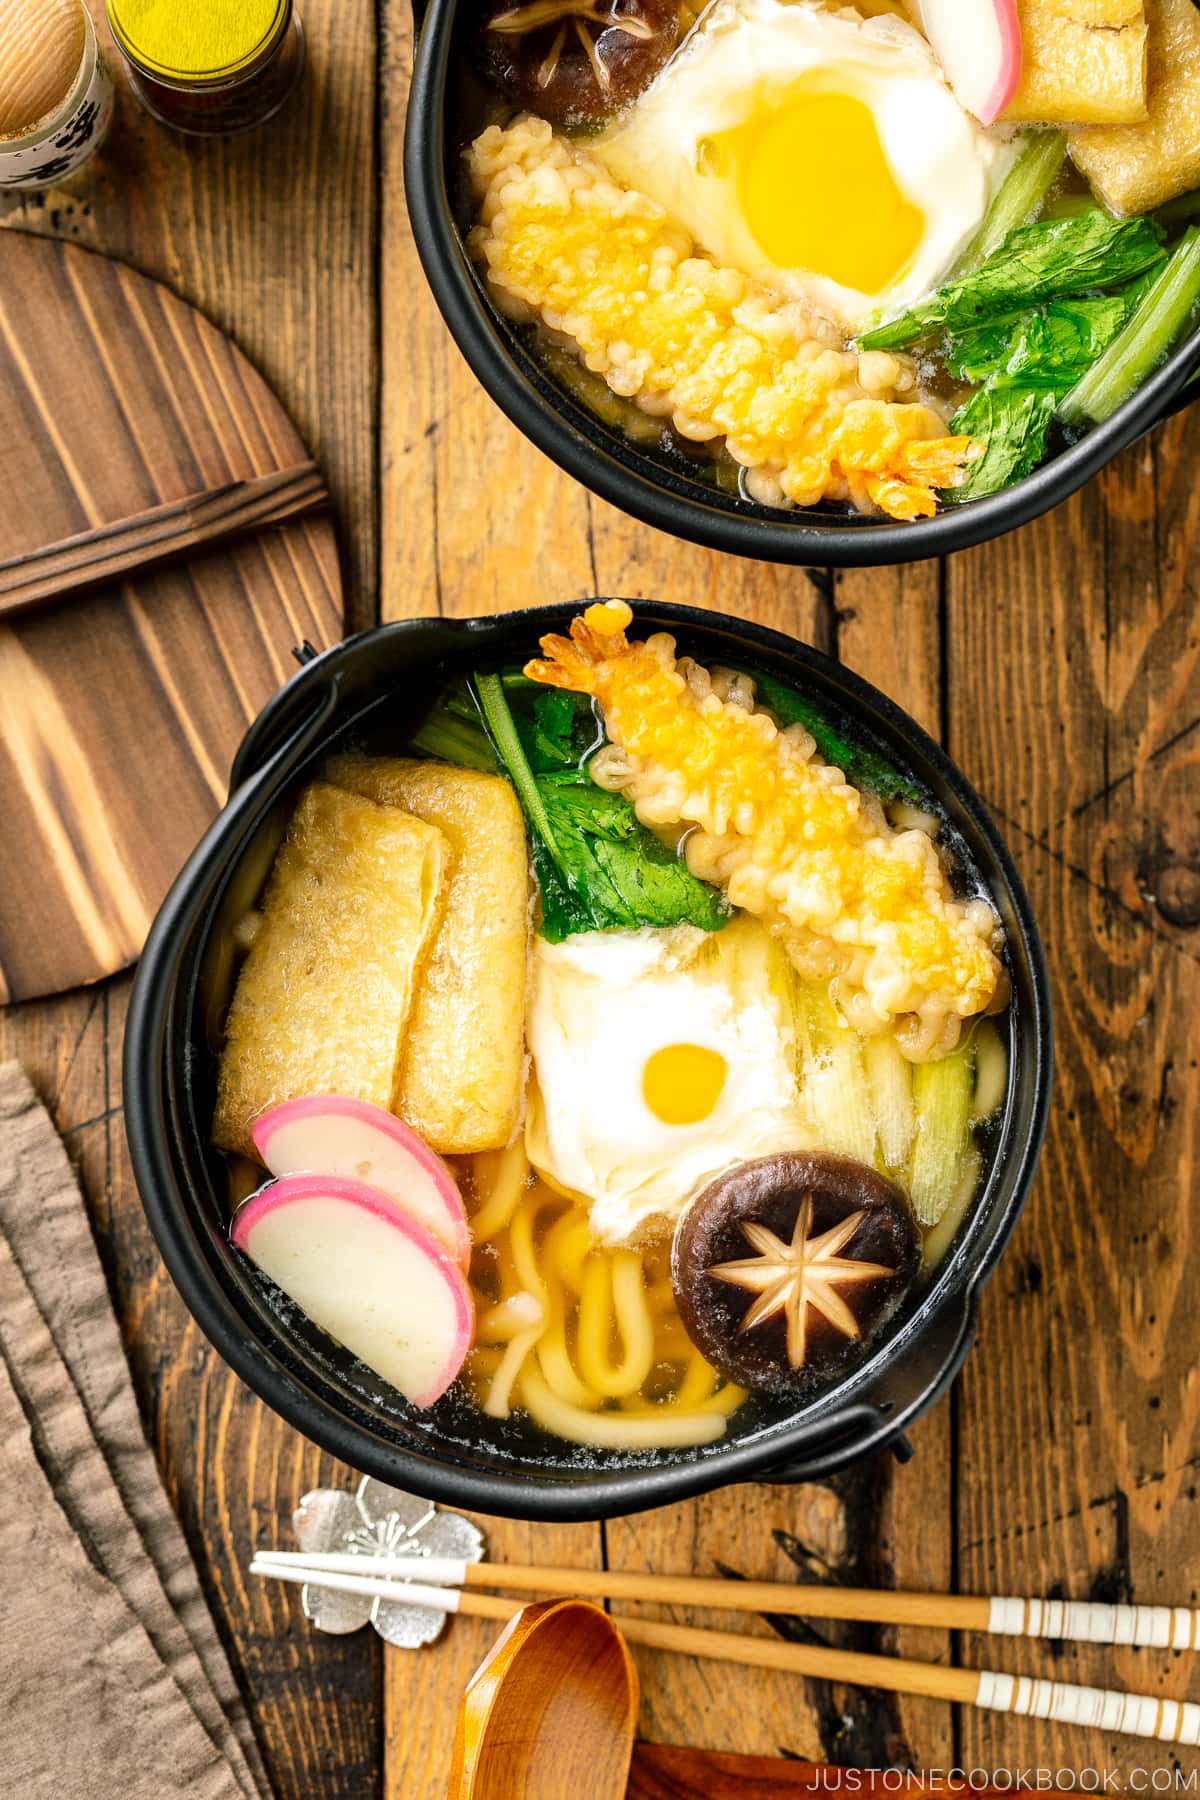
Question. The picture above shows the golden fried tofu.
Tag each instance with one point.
(324, 995)
(462, 1071)
(1135, 167)
(1084, 63)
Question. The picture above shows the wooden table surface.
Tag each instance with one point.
(1059, 666)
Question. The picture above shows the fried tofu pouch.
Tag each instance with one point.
(1135, 167)
(324, 995)
(1083, 63)
(463, 1066)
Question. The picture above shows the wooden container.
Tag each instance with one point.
(56, 94)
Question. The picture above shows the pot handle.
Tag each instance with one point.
(880, 1423)
(859, 1430)
(293, 715)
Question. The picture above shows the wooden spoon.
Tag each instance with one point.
(550, 1713)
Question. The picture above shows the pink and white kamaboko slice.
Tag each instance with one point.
(331, 1134)
(365, 1271)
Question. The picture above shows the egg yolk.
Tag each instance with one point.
(816, 189)
(682, 1083)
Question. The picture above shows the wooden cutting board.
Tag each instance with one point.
(160, 555)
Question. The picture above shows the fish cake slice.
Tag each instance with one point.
(324, 995)
(463, 1068)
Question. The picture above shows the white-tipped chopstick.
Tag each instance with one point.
(1153, 1627)
(1141, 1715)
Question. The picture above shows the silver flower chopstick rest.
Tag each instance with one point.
(377, 1520)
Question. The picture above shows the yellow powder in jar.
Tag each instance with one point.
(41, 48)
(182, 40)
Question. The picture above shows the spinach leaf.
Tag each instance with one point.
(862, 766)
(1048, 348)
(1012, 422)
(1154, 326)
(1044, 261)
(597, 866)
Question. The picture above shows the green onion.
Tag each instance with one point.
(490, 689)
(942, 1091)
(939, 1239)
(991, 1073)
(1021, 196)
(834, 1084)
(1145, 340)
(889, 1073)
(453, 740)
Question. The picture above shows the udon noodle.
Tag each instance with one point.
(621, 1054)
(587, 1340)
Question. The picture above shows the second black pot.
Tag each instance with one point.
(605, 461)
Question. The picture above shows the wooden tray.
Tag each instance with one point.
(159, 558)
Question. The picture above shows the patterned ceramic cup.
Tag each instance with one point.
(58, 144)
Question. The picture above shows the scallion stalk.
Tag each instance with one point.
(942, 1093)
(447, 738)
(1020, 198)
(1152, 329)
(503, 731)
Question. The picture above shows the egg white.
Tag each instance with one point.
(601, 1004)
(735, 63)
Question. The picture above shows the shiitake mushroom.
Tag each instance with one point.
(576, 62)
(782, 1266)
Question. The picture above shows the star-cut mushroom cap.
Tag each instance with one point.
(577, 61)
(834, 1249)
(789, 1278)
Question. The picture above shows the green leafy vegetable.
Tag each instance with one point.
(1164, 310)
(450, 736)
(1051, 347)
(1012, 422)
(1021, 195)
(597, 866)
(1045, 261)
(864, 767)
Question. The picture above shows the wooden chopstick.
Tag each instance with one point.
(173, 529)
(1140, 1715)
(1154, 1627)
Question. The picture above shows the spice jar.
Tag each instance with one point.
(56, 94)
(213, 68)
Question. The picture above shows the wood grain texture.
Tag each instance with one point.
(551, 1711)
(168, 532)
(1063, 662)
(117, 398)
(271, 235)
(474, 520)
(1075, 704)
(674, 1772)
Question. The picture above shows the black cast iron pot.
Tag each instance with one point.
(359, 693)
(644, 485)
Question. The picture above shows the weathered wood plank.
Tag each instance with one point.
(474, 519)
(889, 630)
(1075, 705)
(272, 235)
